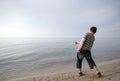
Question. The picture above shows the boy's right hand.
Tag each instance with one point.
(76, 43)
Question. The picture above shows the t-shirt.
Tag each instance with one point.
(87, 43)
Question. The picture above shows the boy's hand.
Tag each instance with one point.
(76, 43)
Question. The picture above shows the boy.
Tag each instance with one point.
(84, 50)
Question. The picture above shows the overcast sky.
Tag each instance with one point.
(59, 18)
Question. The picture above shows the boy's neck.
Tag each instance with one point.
(92, 33)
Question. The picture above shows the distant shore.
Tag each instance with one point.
(110, 70)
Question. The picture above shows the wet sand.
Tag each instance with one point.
(110, 72)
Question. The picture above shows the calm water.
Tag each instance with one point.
(22, 55)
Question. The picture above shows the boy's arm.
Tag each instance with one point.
(80, 44)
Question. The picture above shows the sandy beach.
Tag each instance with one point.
(110, 72)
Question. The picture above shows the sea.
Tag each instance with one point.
(29, 56)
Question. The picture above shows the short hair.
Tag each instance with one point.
(93, 29)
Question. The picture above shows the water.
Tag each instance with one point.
(22, 56)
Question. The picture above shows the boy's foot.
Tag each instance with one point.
(99, 74)
(80, 74)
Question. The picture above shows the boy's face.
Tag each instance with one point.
(92, 32)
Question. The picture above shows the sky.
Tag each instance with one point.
(59, 18)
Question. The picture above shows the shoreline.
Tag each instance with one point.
(106, 67)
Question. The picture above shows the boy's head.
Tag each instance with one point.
(93, 29)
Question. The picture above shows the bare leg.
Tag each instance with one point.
(81, 73)
(96, 69)
(80, 69)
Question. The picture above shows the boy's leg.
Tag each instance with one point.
(91, 62)
(97, 71)
(95, 68)
(79, 62)
(93, 65)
